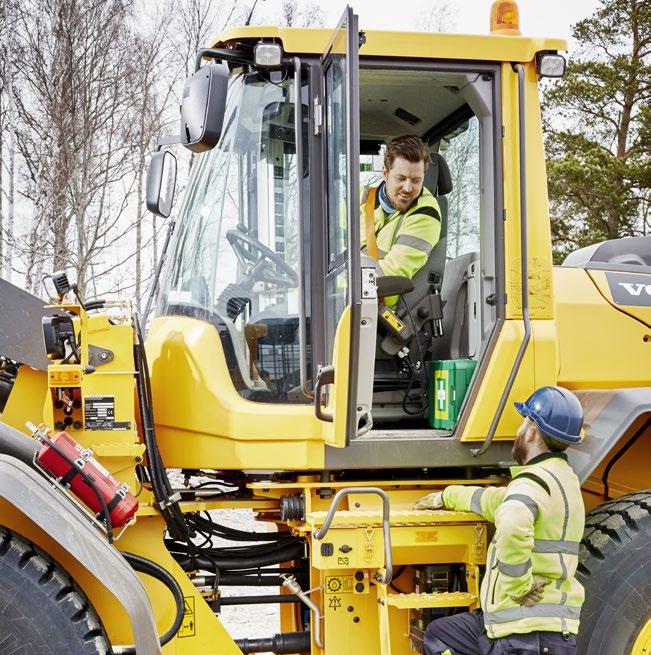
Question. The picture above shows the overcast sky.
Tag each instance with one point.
(537, 17)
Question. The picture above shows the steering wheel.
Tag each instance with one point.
(260, 263)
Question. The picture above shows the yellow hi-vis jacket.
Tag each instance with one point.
(539, 519)
(404, 240)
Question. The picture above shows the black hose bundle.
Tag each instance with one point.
(161, 487)
(191, 536)
(270, 547)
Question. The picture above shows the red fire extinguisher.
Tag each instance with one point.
(86, 483)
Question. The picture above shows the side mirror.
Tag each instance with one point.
(161, 181)
(203, 107)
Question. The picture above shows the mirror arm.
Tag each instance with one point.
(221, 54)
(167, 140)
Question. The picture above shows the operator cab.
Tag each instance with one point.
(267, 248)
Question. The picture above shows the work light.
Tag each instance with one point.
(267, 55)
(550, 64)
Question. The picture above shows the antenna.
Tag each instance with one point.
(248, 20)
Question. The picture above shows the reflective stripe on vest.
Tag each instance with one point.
(555, 546)
(539, 610)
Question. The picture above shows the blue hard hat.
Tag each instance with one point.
(556, 411)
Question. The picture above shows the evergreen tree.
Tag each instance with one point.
(598, 130)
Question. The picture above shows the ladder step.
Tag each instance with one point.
(398, 517)
(438, 599)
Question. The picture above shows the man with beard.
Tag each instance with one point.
(401, 219)
(530, 598)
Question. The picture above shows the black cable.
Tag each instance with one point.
(201, 562)
(174, 519)
(405, 398)
(207, 524)
(245, 553)
(146, 566)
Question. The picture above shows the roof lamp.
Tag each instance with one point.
(268, 55)
(505, 18)
(550, 64)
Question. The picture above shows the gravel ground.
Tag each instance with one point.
(247, 621)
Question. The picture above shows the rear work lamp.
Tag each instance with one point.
(550, 64)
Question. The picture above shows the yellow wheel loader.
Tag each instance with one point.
(274, 378)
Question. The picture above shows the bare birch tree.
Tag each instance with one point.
(7, 136)
(75, 111)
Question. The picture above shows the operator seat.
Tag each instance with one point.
(439, 181)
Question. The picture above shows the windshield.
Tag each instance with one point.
(235, 262)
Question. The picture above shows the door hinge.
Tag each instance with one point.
(317, 116)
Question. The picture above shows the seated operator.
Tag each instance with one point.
(401, 215)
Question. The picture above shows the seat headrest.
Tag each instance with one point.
(437, 178)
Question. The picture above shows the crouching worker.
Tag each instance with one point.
(530, 598)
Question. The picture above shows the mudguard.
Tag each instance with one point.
(54, 513)
(608, 414)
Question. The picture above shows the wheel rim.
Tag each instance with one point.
(642, 645)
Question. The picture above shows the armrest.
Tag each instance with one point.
(393, 285)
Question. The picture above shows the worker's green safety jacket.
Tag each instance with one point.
(404, 240)
(539, 519)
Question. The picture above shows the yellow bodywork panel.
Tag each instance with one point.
(202, 422)
(628, 292)
(539, 264)
(201, 631)
(26, 399)
(421, 45)
(96, 407)
(494, 381)
(588, 327)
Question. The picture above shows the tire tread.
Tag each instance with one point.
(57, 585)
(613, 531)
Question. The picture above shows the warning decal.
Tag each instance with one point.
(188, 627)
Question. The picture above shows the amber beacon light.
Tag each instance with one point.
(505, 18)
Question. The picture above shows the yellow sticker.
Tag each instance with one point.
(188, 627)
(64, 376)
(426, 536)
(393, 320)
(339, 584)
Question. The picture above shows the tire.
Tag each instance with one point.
(42, 610)
(615, 569)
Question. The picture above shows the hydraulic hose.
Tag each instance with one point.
(146, 566)
(235, 580)
(285, 642)
(201, 562)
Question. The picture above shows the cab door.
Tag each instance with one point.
(337, 401)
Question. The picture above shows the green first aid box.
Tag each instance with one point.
(448, 383)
